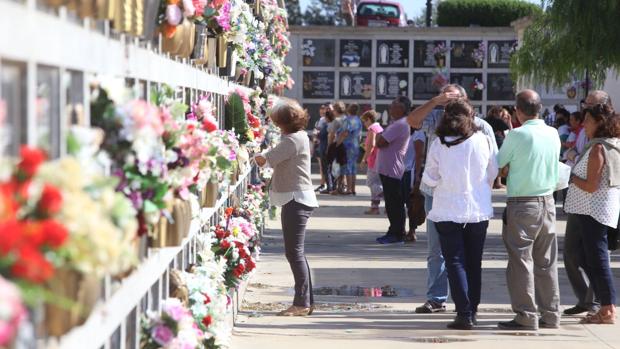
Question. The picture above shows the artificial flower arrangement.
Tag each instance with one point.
(134, 140)
(209, 302)
(232, 249)
(12, 312)
(173, 328)
(254, 205)
(212, 12)
(439, 52)
(239, 115)
(479, 53)
(31, 235)
(477, 85)
(101, 221)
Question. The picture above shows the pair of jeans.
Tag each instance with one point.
(462, 246)
(294, 218)
(437, 282)
(594, 237)
(394, 205)
(326, 166)
(574, 263)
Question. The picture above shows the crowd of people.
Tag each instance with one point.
(445, 159)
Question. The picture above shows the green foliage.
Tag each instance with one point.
(571, 39)
(485, 13)
(235, 118)
(323, 12)
(294, 12)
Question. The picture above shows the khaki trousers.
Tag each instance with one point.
(532, 275)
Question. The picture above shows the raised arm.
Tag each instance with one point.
(417, 116)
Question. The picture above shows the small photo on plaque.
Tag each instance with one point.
(389, 85)
(355, 53)
(393, 53)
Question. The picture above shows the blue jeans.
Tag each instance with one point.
(462, 246)
(437, 275)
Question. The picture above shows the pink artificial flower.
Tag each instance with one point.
(13, 312)
(162, 334)
(199, 5)
(189, 10)
(175, 311)
(174, 16)
(146, 115)
(223, 17)
(219, 3)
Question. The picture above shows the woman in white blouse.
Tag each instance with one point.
(593, 204)
(461, 167)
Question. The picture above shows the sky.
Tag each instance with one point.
(412, 7)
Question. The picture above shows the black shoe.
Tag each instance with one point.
(474, 319)
(515, 326)
(431, 307)
(319, 188)
(325, 191)
(461, 323)
(542, 324)
(576, 310)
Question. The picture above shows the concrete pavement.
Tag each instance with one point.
(345, 259)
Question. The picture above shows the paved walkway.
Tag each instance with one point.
(342, 253)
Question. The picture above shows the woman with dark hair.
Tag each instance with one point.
(323, 142)
(461, 166)
(593, 203)
(496, 117)
(291, 188)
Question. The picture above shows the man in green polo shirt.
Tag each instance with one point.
(529, 157)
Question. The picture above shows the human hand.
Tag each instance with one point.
(446, 97)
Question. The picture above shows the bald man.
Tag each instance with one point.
(529, 158)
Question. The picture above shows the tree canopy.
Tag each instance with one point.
(323, 12)
(294, 12)
(484, 13)
(570, 40)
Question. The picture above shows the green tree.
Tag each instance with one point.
(294, 12)
(571, 38)
(323, 12)
(484, 13)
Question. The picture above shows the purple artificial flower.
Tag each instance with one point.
(136, 199)
(176, 312)
(162, 334)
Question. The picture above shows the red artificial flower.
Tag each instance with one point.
(207, 321)
(228, 211)
(254, 121)
(220, 233)
(55, 233)
(225, 245)
(209, 125)
(249, 264)
(30, 162)
(32, 266)
(207, 299)
(51, 200)
(31, 233)
(8, 206)
(239, 270)
(10, 237)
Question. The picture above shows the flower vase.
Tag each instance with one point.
(181, 43)
(82, 290)
(211, 52)
(307, 60)
(479, 64)
(159, 234)
(222, 51)
(201, 50)
(440, 60)
(210, 194)
(178, 228)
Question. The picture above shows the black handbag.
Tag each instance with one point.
(613, 237)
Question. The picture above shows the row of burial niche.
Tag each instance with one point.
(395, 53)
(389, 85)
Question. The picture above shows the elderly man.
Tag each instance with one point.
(392, 144)
(426, 118)
(573, 252)
(529, 157)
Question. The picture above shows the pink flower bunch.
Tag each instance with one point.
(199, 6)
(145, 115)
(223, 15)
(174, 328)
(12, 312)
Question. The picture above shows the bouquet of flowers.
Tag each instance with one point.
(441, 49)
(477, 85)
(173, 328)
(231, 248)
(97, 217)
(31, 236)
(209, 302)
(12, 312)
(221, 156)
(478, 53)
(134, 139)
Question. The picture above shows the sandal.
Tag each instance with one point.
(373, 211)
(605, 316)
(411, 237)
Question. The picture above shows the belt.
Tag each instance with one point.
(530, 198)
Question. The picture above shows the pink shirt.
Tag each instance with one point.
(372, 157)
